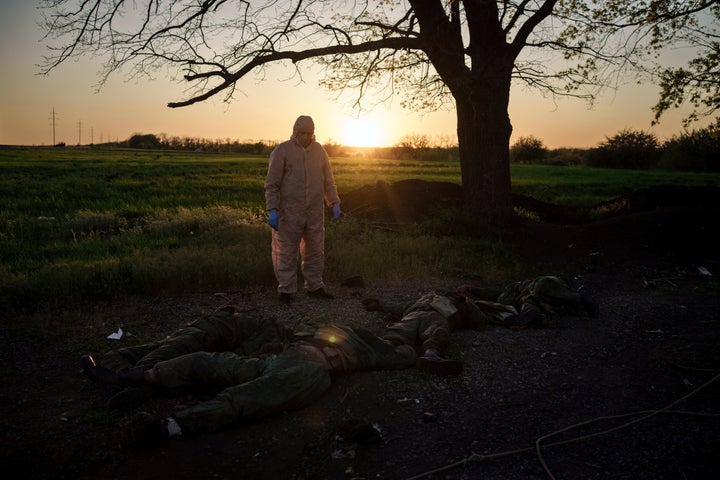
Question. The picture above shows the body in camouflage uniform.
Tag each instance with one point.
(549, 296)
(427, 323)
(426, 326)
(222, 331)
(211, 353)
(535, 301)
(257, 387)
(420, 326)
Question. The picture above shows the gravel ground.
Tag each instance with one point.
(652, 352)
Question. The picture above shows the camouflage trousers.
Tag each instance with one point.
(426, 329)
(257, 387)
(548, 295)
(222, 331)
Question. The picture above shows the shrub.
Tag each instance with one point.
(566, 156)
(528, 150)
(698, 150)
(139, 140)
(632, 149)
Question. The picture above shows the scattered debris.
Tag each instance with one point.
(704, 271)
(429, 417)
(343, 454)
(117, 335)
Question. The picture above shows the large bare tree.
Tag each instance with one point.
(432, 53)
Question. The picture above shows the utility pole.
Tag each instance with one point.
(92, 133)
(53, 116)
(79, 131)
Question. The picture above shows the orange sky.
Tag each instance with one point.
(263, 111)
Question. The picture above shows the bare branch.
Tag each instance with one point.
(530, 24)
(395, 28)
(519, 11)
(294, 56)
(452, 48)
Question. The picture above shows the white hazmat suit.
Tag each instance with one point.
(299, 178)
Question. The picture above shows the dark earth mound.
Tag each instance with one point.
(413, 199)
(633, 394)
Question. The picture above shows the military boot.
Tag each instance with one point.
(110, 380)
(433, 363)
(104, 377)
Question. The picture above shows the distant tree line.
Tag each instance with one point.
(696, 150)
(151, 141)
(414, 147)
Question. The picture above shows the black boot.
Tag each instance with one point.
(433, 363)
(102, 376)
(112, 381)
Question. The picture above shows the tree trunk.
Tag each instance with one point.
(484, 130)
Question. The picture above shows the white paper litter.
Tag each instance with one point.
(117, 335)
(704, 271)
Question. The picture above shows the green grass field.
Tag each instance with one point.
(79, 224)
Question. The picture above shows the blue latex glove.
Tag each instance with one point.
(336, 212)
(273, 218)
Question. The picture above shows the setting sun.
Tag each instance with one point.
(361, 133)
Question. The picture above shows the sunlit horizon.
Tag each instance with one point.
(362, 132)
(264, 110)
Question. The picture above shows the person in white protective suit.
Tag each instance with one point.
(299, 179)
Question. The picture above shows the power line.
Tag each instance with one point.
(53, 117)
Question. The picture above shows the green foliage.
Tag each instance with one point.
(170, 251)
(698, 83)
(583, 186)
(566, 156)
(147, 141)
(634, 149)
(698, 150)
(356, 248)
(641, 30)
(528, 149)
(351, 174)
(79, 224)
(91, 224)
(595, 44)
